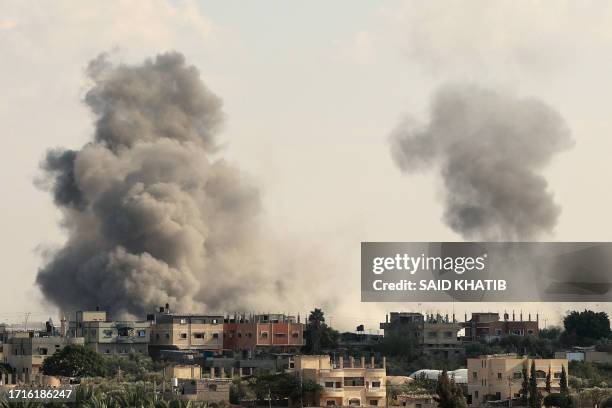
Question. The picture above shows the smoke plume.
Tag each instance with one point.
(489, 149)
(151, 216)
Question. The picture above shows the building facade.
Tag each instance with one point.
(188, 332)
(488, 327)
(263, 333)
(499, 377)
(435, 335)
(25, 352)
(354, 384)
(120, 338)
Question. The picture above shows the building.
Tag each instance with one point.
(267, 333)
(215, 392)
(488, 327)
(435, 335)
(25, 352)
(499, 377)
(120, 338)
(202, 333)
(343, 385)
(416, 400)
(224, 367)
(190, 372)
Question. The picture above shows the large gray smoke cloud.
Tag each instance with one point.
(490, 148)
(151, 216)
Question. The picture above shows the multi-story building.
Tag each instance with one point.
(108, 337)
(499, 377)
(488, 327)
(343, 385)
(433, 334)
(202, 333)
(25, 352)
(263, 333)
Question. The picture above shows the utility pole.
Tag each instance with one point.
(25, 323)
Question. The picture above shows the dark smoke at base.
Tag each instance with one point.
(151, 217)
(489, 149)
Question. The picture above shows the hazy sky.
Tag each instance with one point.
(311, 92)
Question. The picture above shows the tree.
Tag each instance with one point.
(524, 387)
(448, 394)
(557, 400)
(319, 335)
(586, 327)
(75, 361)
(535, 397)
(548, 379)
(563, 382)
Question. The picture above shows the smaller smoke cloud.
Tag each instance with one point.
(490, 149)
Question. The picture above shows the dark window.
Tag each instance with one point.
(499, 376)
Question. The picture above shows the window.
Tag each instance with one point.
(183, 336)
(354, 402)
(498, 396)
(448, 334)
(157, 336)
(264, 335)
(198, 335)
(375, 384)
(239, 335)
(353, 382)
(107, 351)
(540, 374)
(499, 376)
(432, 334)
(498, 332)
(215, 321)
(517, 375)
(280, 334)
(329, 384)
(330, 403)
(529, 332)
(107, 333)
(475, 394)
(43, 351)
(142, 333)
(474, 374)
(215, 335)
(183, 321)
(557, 375)
(295, 335)
(374, 402)
(212, 387)
(418, 405)
(93, 332)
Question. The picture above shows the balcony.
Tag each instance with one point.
(376, 392)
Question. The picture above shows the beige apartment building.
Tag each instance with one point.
(352, 384)
(499, 377)
(26, 352)
(120, 338)
(173, 331)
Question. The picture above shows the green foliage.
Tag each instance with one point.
(529, 345)
(563, 382)
(319, 336)
(535, 397)
(277, 387)
(75, 361)
(551, 333)
(524, 392)
(585, 328)
(449, 394)
(557, 400)
(548, 386)
(135, 367)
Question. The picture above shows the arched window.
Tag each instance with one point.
(540, 374)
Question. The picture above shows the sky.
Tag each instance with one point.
(311, 92)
